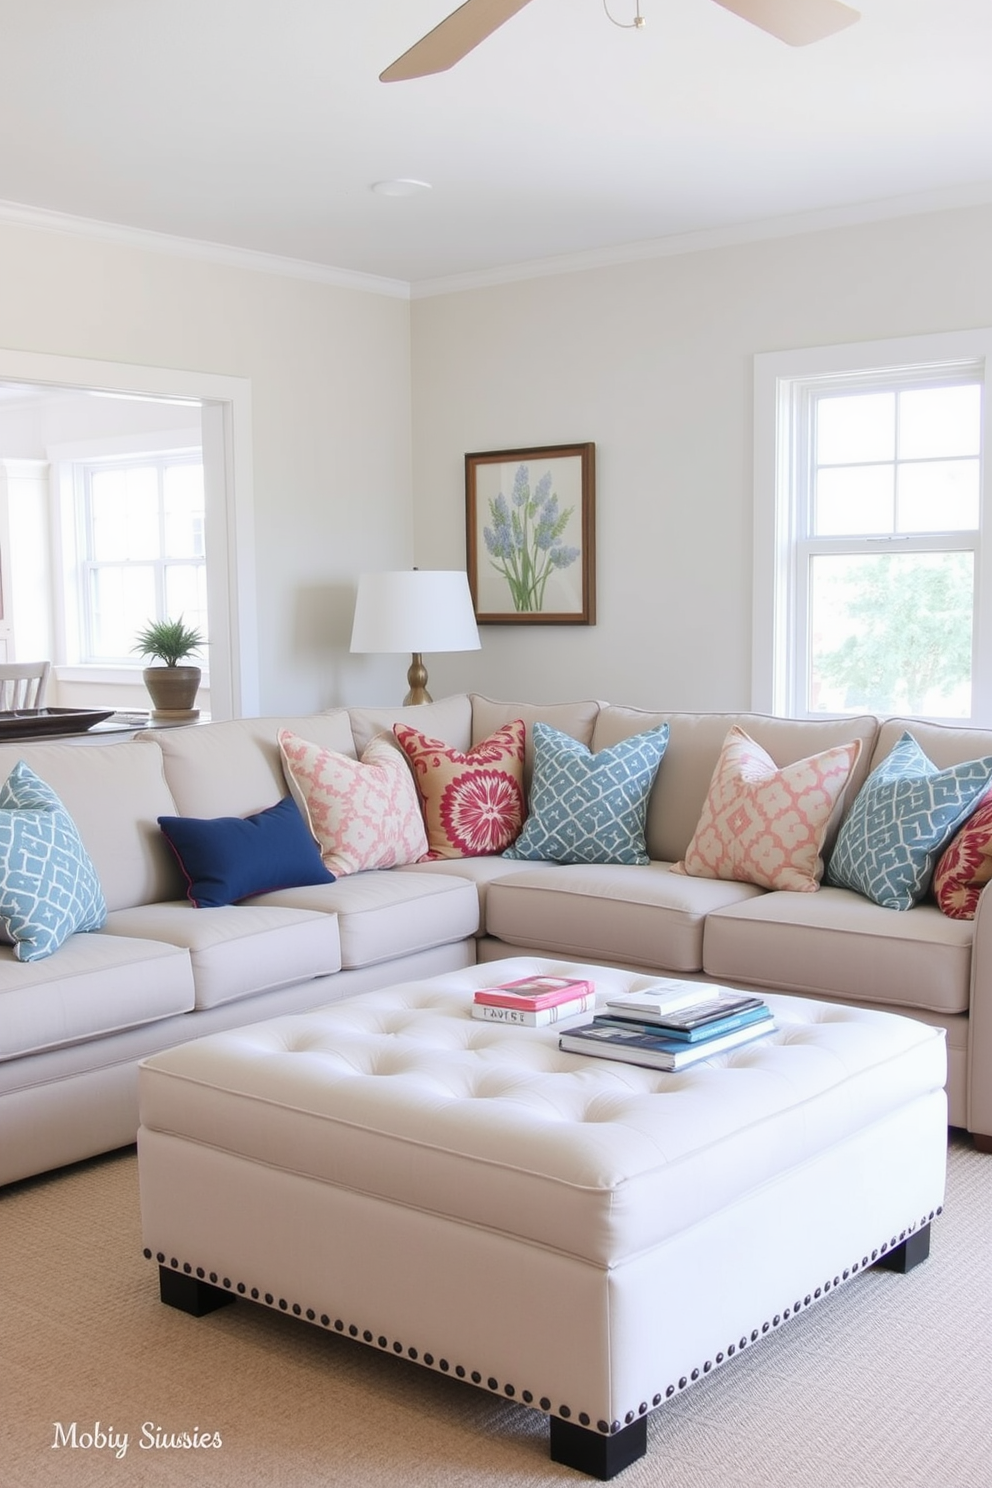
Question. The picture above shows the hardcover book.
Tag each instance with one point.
(683, 1005)
(534, 1017)
(690, 1029)
(607, 1042)
(535, 992)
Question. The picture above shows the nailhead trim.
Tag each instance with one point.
(604, 1427)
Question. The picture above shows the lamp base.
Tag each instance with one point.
(417, 679)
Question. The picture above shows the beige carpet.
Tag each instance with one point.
(885, 1384)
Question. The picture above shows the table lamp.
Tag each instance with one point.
(415, 610)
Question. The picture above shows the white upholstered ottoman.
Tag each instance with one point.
(583, 1236)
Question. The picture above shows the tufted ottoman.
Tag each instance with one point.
(582, 1236)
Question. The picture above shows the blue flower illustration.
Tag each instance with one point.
(525, 544)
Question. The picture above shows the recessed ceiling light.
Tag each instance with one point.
(400, 188)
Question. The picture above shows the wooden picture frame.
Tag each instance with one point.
(531, 535)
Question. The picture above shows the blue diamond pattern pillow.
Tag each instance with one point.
(901, 820)
(48, 886)
(585, 807)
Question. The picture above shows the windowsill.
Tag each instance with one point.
(112, 676)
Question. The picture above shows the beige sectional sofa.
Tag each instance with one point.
(74, 1026)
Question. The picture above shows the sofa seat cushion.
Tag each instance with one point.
(95, 984)
(482, 872)
(240, 949)
(838, 944)
(644, 916)
(384, 914)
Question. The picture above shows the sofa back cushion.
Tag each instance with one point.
(115, 794)
(449, 719)
(234, 768)
(694, 746)
(944, 744)
(578, 720)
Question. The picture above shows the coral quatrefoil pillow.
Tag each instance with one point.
(473, 803)
(763, 824)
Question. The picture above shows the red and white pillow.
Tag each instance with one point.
(965, 866)
(473, 804)
(765, 825)
(364, 813)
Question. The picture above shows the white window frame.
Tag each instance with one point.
(783, 383)
(226, 427)
(76, 527)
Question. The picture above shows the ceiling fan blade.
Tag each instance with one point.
(797, 22)
(452, 39)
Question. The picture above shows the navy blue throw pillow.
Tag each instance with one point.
(226, 858)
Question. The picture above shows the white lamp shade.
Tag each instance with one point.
(415, 610)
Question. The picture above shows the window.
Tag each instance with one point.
(870, 502)
(142, 553)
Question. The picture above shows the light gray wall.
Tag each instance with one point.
(650, 360)
(653, 362)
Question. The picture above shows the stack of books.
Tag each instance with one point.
(671, 1025)
(534, 1001)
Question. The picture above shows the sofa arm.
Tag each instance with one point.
(980, 1027)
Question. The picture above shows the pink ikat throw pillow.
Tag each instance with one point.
(364, 813)
(765, 825)
(473, 803)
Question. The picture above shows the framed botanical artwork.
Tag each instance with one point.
(531, 537)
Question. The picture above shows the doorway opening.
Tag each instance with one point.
(63, 418)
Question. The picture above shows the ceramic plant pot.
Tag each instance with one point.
(172, 690)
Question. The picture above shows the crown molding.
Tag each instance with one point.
(40, 218)
(763, 229)
(757, 231)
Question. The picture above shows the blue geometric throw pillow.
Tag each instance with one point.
(901, 820)
(48, 885)
(585, 807)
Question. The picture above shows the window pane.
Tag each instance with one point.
(122, 601)
(184, 514)
(186, 595)
(938, 496)
(108, 519)
(891, 633)
(854, 499)
(855, 426)
(940, 421)
(143, 533)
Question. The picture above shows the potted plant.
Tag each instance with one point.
(171, 687)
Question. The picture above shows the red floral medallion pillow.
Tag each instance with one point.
(473, 803)
(965, 866)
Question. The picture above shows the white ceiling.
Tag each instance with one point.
(261, 124)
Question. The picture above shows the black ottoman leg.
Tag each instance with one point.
(595, 1453)
(189, 1293)
(914, 1249)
